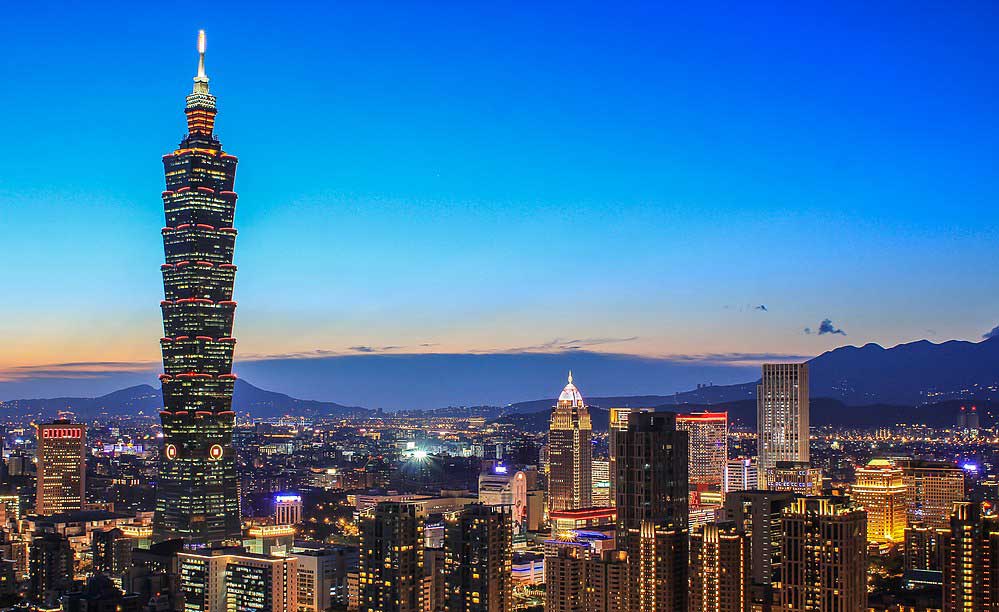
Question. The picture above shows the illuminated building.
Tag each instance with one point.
(601, 483)
(583, 518)
(719, 569)
(322, 576)
(618, 423)
(478, 560)
(741, 475)
(758, 515)
(880, 489)
(232, 580)
(824, 555)
(932, 488)
(390, 563)
(505, 487)
(707, 434)
(652, 510)
(196, 490)
(795, 477)
(62, 467)
(570, 482)
(971, 558)
(782, 415)
(287, 509)
(50, 569)
(577, 563)
(924, 554)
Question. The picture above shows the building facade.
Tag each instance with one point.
(390, 562)
(782, 414)
(570, 452)
(233, 580)
(742, 474)
(719, 569)
(931, 488)
(971, 558)
(478, 560)
(197, 487)
(62, 467)
(880, 489)
(824, 556)
(707, 434)
(758, 515)
(652, 506)
(618, 422)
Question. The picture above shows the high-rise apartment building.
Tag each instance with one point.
(741, 475)
(618, 423)
(233, 580)
(652, 509)
(601, 483)
(62, 467)
(196, 490)
(971, 558)
(321, 578)
(570, 453)
(932, 488)
(478, 559)
(824, 556)
(707, 434)
(719, 569)
(782, 414)
(758, 515)
(50, 569)
(390, 564)
(880, 489)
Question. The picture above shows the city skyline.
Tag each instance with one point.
(453, 198)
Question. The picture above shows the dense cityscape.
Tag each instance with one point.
(203, 505)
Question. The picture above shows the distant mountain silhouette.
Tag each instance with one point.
(913, 374)
(145, 399)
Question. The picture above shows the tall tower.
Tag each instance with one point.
(782, 414)
(62, 467)
(570, 453)
(196, 493)
(652, 507)
(478, 559)
(390, 564)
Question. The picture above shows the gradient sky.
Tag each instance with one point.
(440, 177)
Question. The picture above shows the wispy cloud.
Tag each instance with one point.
(761, 307)
(375, 349)
(76, 370)
(739, 358)
(562, 344)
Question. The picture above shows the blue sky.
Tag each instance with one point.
(494, 178)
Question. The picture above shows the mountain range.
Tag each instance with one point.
(906, 380)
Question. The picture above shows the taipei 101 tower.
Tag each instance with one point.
(197, 496)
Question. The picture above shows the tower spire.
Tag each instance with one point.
(570, 377)
(201, 81)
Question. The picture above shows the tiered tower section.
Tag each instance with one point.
(197, 492)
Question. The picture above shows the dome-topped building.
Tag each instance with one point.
(570, 452)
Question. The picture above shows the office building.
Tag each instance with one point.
(478, 559)
(570, 481)
(707, 434)
(505, 487)
(971, 558)
(61, 468)
(719, 569)
(233, 580)
(652, 510)
(50, 569)
(880, 489)
(795, 477)
(758, 515)
(824, 555)
(287, 509)
(618, 423)
(931, 489)
(196, 490)
(390, 563)
(782, 415)
(322, 575)
(742, 475)
(601, 483)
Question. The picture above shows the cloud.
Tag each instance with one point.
(76, 370)
(562, 344)
(992, 334)
(827, 327)
(374, 349)
(739, 358)
(761, 307)
(807, 330)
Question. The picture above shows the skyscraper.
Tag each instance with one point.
(618, 423)
(197, 498)
(570, 453)
(880, 489)
(824, 552)
(62, 467)
(782, 414)
(741, 475)
(232, 580)
(971, 558)
(478, 559)
(719, 569)
(652, 510)
(758, 514)
(708, 442)
(390, 564)
(932, 488)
